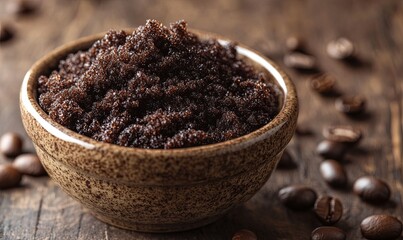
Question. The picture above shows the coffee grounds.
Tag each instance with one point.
(158, 87)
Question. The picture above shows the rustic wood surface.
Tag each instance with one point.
(39, 209)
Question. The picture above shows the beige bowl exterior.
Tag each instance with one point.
(157, 190)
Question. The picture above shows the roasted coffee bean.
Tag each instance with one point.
(328, 210)
(300, 61)
(350, 104)
(6, 33)
(294, 44)
(323, 83)
(10, 145)
(341, 48)
(372, 190)
(9, 176)
(381, 227)
(22, 7)
(297, 197)
(332, 150)
(328, 233)
(29, 164)
(244, 234)
(333, 173)
(286, 161)
(342, 134)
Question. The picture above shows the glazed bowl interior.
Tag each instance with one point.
(48, 63)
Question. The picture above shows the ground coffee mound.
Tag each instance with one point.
(158, 87)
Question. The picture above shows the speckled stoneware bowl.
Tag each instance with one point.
(157, 190)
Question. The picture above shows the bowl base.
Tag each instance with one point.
(155, 228)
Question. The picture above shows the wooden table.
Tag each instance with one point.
(39, 209)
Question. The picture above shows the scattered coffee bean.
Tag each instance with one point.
(297, 197)
(10, 145)
(372, 190)
(328, 233)
(333, 173)
(350, 104)
(300, 61)
(244, 234)
(331, 150)
(294, 44)
(29, 164)
(9, 176)
(22, 7)
(341, 48)
(323, 84)
(6, 33)
(286, 161)
(343, 134)
(328, 210)
(381, 227)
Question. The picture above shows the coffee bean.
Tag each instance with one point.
(350, 104)
(9, 176)
(343, 134)
(372, 190)
(341, 48)
(29, 164)
(297, 197)
(328, 210)
(381, 227)
(332, 150)
(22, 7)
(294, 44)
(333, 173)
(6, 33)
(328, 233)
(300, 61)
(323, 84)
(10, 145)
(244, 234)
(286, 161)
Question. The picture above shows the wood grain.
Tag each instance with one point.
(40, 210)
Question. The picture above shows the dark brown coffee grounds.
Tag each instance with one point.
(158, 87)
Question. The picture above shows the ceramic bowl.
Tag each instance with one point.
(157, 190)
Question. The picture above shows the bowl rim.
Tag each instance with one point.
(31, 105)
